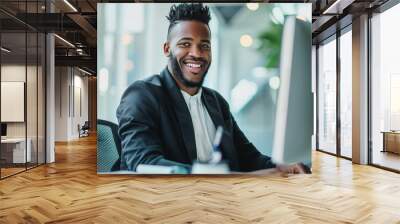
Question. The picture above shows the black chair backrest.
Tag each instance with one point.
(86, 125)
(117, 141)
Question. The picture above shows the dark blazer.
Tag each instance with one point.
(155, 127)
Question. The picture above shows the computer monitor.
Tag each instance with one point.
(3, 129)
(294, 114)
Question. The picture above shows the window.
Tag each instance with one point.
(385, 89)
(346, 94)
(327, 96)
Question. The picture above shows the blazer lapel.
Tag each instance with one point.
(216, 114)
(182, 113)
(213, 108)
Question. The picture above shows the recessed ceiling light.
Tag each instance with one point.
(84, 71)
(64, 40)
(70, 5)
(5, 50)
(337, 7)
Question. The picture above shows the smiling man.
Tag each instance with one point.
(170, 119)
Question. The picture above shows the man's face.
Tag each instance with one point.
(189, 52)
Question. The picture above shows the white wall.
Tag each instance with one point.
(70, 83)
(14, 73)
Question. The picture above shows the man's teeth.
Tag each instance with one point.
(194, 65)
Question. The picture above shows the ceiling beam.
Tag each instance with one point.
(82, 61)
(337, 7)
(84, 24)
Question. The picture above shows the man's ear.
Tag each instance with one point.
(167, 49)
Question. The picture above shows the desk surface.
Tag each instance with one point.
(390, 132)
(118, 172)
(13, 140)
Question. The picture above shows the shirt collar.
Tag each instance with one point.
(188, 97)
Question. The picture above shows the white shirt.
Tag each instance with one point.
(204, 129)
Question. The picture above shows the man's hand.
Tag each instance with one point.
(283, 170)
(297, 168)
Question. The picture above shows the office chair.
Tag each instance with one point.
(108, 146)
(84, 130)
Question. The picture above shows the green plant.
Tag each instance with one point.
(270, 45)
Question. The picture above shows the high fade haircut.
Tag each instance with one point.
(187, 12)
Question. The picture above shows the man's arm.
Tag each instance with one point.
(250, 158)
(138, 118)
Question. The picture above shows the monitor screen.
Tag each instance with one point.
(294, 116)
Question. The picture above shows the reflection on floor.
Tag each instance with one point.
(346, 151)
(10, 169)
(387, 159)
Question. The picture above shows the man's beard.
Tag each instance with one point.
(177, 71)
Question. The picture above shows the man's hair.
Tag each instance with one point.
(187, 12)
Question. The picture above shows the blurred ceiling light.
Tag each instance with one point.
(103, 80)
(129, 66)
(65, 41)
(274, 82)
(252, 6)
(5, 50)
(259, 72)
(127, 39)
(242, 94)
(278, 14)
(274, 20)
(304, 13)
(70, 5)
(301, 17)
(43, 7)
(246, 40)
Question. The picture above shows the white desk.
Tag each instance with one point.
(118, 172)
(18, 150)
(198, 168)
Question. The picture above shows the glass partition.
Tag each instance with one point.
(22, 77)
(31, 99)
(13, 105)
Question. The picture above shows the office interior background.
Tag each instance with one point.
(49, 86)
(48, 82)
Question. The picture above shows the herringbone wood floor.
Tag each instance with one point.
(70, 191)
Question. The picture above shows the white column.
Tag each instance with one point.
(360, 90)
(50, 100)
